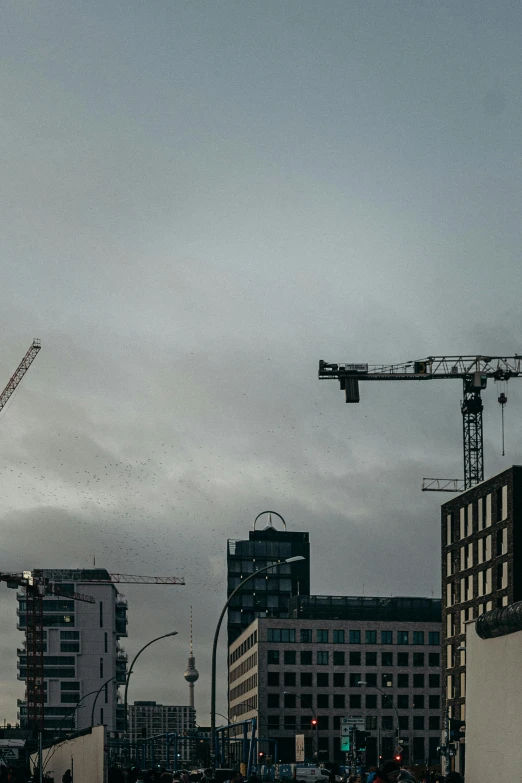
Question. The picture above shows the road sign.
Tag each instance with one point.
(357, 723)
(8, 754)
(399, 749)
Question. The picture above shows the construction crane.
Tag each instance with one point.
(474, 372)
(37, 585)
(21, 370)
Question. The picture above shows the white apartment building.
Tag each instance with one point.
(82, 654)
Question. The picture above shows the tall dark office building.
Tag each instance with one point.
(269, 594)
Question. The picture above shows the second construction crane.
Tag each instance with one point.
(19, 373)
(474, 371)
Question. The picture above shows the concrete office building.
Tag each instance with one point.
(286, 671)
(269, 595)
(149, 719)
(81, 651)
(481, 571)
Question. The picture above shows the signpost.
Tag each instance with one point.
(299, 747)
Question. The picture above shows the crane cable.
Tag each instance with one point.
(502, 398)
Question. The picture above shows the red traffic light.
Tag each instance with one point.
(261, 754)
(398, 757)
(314, 721)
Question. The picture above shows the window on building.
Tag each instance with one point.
(272, 657)
(338, 658)
(306, 635)
(290, 701)
(418, 701)
(280, 635)
(322, 679)
(403, 680)
(403, 659)
(272, 679)
(354, 637)
(434, 722)
(418, 722)
(322, 636)
(355, 678)
(434, 637)
(386, 637)
(338, 701)
(387, 680)
(290, 722)
(404, 722)
(434, 659)
(371, 679)
(371, 701)
(106, 635)
(387, 722)
(322, 657)
(322, 701)
(387, 659)
(449, 569)
(434, 701)
(434, 681)
(272, 700)
(323, 723)
(290, 657)
(402, 637)
(386, 701)
(371, 659)
(273, 721)
(338, 637)
(418, 680)
(306, 679)
(306, 721)
(306, 657)
(371, 722)
(290, 679)
(418, 659)
(338, 679)
(101, 614)
(101, 668)
(462, 523)
(355, 658)
(336, 722)
(418, 637)
(488, 510)
(70, 647)
(403, 701)
(371, 637)
(449, 529)
(355, 701)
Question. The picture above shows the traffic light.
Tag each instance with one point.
(314, 722)
(261, 756)
(360, 739)
(455, 729)
(398, 757)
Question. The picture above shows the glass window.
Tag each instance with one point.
(404, 722)
(306, 657)
(355, 658)
(290, 721)
(434, 659)
(418, 701)
(306, 679)
(434, 637)
(338, 701)
(418, 659)
(371, 637)
(403, 680)
(355, 701)
(272, 657)
(288, 634)
(323, 723)
(273, 635)
(289, 679)
(322, 701)
(387, 659)
(371, 701)
(272, 679)
(371, 679)
(386, 637)
(403, 659)
(387, 680)
(290, 657)
(338, 658)
(418, 680)
(402, 637)
(403, 701)
(355, 678)
(386, 701)
(355, 637)
(418, 637)
(371, 659)
(338, 679)
(322, 657)
(272, 700)
(434, 702)
(434, 680)
(418, 722)
(290, 700)
(338, 637)
(322, 636)
(306, 634)
(434, 722)
(322, 679)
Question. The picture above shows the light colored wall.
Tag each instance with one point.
(493, 707)
(85, 756)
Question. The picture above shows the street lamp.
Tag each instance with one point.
(315, 722)
(172, 633)
(214, 647)
(363, 682)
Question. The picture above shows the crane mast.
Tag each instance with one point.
(474, 371)
(19, 373)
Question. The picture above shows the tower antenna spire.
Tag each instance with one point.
(191, 673)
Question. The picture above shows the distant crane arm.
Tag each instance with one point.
(20, 372)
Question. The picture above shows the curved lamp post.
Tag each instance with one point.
(214, 648)
(363, 682)
(96, 697)
(172, 633)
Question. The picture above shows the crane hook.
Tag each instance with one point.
(502, 400)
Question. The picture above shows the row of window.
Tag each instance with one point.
(355, 701)
(243, 687)
(244, 667)
(471, 517)
(322, 636)
(484, 553)
(249, 642)
(322, 658)
(339, 679)
(261, 583)
(418, 722)
(478, 584)
(468, 614)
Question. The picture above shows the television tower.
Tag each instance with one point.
(191, 673)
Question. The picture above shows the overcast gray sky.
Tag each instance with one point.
(199, 201)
